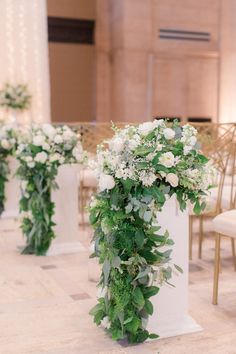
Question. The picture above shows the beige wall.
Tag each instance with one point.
(72, 67)
(84, 9)
(150, 76)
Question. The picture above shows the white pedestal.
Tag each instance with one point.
(12, 191)
(66, 201)
(170, 317)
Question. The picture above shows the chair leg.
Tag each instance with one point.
(200, 237)
(190, 237)
(233, 252)
(216, 270)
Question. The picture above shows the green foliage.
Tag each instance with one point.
(37, 225)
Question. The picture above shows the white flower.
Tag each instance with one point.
(20, 148)
(106, 182)
(173, 179)
(105, 323)
(102, 291)
(49, 130)
(5, 144)
(116, 144)
(146, 128)
(62, 160)
(147, 178)
(41, 157)
(58, 139)
(192, 140)
(167, 159)
(67, 134)
(31, 164)
(55, 157)
(28, 158)
(169, 133)
(77, 152)
(38, 140)
(187, 149)
(46, 146)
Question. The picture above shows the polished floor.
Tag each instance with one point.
(44, 304)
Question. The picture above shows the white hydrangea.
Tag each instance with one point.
(41, 157)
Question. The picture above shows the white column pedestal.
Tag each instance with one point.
(66, 201)
(170, 317)
(12, 191)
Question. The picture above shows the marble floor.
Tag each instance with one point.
(44, 304)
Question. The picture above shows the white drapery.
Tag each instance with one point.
(24, 53)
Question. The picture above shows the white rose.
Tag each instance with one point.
(41, 157)
(49, 130)
(146, 128)
(173, 179)
(116, 144)
(169, 133)
(167, 159)
(31, 164)
(5, 144)
(106, 182)
(38, 140)
(58, 139)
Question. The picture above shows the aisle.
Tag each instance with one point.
(44, 304)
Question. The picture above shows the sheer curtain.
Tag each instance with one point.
(24, 53)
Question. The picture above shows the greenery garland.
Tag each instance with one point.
(40, 154)
(7, 147)
(141, 167)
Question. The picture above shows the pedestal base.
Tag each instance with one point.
(169, 327)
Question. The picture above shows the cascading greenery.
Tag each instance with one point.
(140, 168)
(7, 147)
(40, 154)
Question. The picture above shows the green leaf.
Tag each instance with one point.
(127, 184)
(138, 298)
(153, 336)
(148, 307)
(178, 268)
(133, 325)
(150, 291)
(139, 238)
(106, 270)
(197, 208)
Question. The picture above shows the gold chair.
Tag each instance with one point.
(224, 225)
(221, 152)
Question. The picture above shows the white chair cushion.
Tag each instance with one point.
(225, 223)
(88, 177)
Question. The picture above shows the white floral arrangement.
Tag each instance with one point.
(40, 152)
(138, 170)
(15, 97)
(135, 151)
(8, 141)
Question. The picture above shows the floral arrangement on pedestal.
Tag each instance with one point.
(139, 170)
(8, 141)
(15, 97)
(40, 153)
